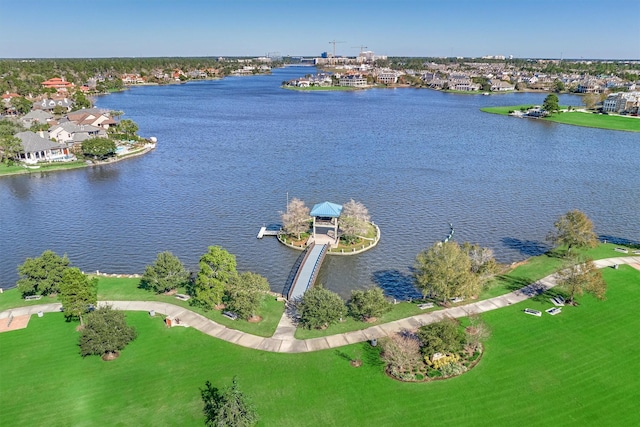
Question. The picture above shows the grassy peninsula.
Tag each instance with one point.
(576, 367)
(579, 118)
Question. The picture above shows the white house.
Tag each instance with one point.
(36, 148)
(70, 132)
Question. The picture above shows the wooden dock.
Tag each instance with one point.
(264, 231)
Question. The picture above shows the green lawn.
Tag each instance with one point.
(126, 289)
(577, 368)
(19, 169)
(578, 118)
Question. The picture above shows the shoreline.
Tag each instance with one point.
(55, 168)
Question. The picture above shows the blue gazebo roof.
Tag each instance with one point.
(327, 210)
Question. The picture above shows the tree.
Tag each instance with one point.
(581, 277)
(42, 275)
(80, 101)
(245, 293)
(354, 220)
(402, 354)
(165, 274)
(128, 128)
(558, 86)
(368, 304)
(482, 261)
(444, 336)
(98, 147)
(320, 308)
(573, 229)
(105, 333)
(10, 147)
(77, 293)
(229, 408)
(217, 268)
(590, 100)
(21, 104)
(550, 103)
(444, 271)
(296, 219)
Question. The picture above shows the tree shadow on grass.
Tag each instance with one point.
(528, 248)
(396, 284)
(371, 354)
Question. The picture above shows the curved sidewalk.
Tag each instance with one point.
(284, 341)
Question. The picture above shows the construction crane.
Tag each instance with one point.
(362, 48)
(333, 42)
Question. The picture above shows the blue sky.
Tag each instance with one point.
(534, 29)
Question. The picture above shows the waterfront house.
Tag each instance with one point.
(73, 133)
(501, 86)
(91, 117)
(387, 77)
(621, 101)
(353, 80)
(37, 148)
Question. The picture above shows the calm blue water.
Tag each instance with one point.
(229, 151)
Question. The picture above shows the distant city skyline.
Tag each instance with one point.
(570, 29)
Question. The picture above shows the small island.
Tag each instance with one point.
(346, 230)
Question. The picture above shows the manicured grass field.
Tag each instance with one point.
(577, 368)
(126, 289)
(578, 118)
(19, 169)
(535, 268)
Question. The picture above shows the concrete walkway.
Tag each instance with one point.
(284, 341)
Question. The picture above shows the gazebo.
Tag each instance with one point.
(325, 215)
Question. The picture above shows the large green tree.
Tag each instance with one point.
(227, 408)
(99, 148)
(77, 293)
(573, 230)
(444, 271)
(551, 103)
(80, 101)
(105, 333)
(128, 128)
(445, 336)
(10, 147)
(21, 104)
(165, 274)
(245, 293)
(42, 275)
(217, 269)
(319, 308)
(368, 304)
(582, 276)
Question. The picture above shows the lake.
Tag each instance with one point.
(230, 152)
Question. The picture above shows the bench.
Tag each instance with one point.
(533, 312)
(425, 305)
(553, 310)
(183, 297)
(636, 252)
(623, 250)
(32, 297)
(457, 300)
(230, 315)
